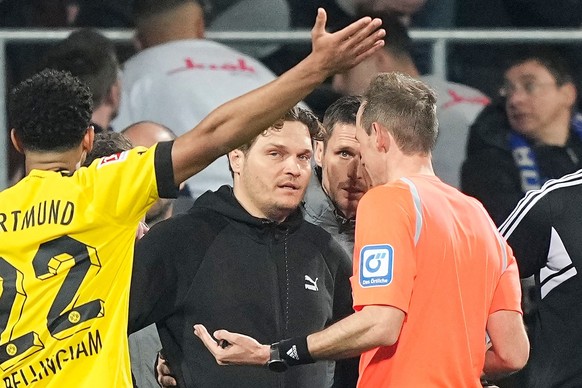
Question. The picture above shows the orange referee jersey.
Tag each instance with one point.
(427, 249)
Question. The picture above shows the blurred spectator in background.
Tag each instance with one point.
(436, 14)
(91, 57)
(180, 77)
(480, 64)
(301, 17)
(103, 13)
(530, 135)
(457, 105)
(22, 58)
(248, 15)
(403, 9)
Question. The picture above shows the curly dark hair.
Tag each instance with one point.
(50, 111)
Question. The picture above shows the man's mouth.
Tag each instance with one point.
(289, 186)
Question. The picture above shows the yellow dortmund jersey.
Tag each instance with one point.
(66, 251)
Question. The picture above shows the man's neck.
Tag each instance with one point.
(403, 65)
(255, 211)
(556, 135)
(407, 165)
(52, 161)
(183, 22)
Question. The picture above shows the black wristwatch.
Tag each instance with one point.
(276, 364)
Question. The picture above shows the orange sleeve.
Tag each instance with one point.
(384, 249)
(507, 295)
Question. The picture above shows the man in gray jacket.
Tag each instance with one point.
(337, 184)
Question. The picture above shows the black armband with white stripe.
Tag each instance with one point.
(294, 351)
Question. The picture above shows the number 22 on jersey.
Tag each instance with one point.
(63, 256)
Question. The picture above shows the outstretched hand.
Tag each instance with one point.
(341, 50)
(232, 348)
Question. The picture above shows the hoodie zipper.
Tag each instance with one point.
(287, 281)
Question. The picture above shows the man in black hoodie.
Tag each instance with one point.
(243, 258)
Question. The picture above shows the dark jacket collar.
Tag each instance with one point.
(224, 202)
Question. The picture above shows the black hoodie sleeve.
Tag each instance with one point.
(162, 273)
(346, 371)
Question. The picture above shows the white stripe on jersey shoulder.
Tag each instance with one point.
(417, 207)
(533, 196)
(558, 268)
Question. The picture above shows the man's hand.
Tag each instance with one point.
(339, 51)
(165, 378)
(232, 348)
(142, 229)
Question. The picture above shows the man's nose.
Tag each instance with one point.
(517, 95)
(293, 166)
(355, 168)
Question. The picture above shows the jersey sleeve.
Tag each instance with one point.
(163, 270)
(507, 294)
(342, 294)
(123, 186)
(384, 252)
(528, 232)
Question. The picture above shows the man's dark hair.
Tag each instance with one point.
(294, 114)
(546, 56)
(549, 57)
(143, 9)
(89, 56)
(105, 144)
(342, 111)
(399, 42)
(50, 111)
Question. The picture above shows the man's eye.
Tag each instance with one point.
(530, 87)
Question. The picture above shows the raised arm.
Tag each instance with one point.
(243, 118)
